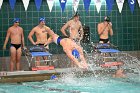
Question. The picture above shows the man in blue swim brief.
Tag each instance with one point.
(69, 47)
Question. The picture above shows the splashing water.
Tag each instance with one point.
(94, 59)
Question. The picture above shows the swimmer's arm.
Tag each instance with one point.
(100, 29)
(110, 29)
(64, 28)
(81, 32)
(111, 32)
(50, 40)
(49, 31)
(30, 36)
(6, 39)
(22, 38)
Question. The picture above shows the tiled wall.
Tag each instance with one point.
(125, 25)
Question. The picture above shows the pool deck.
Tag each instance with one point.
(40, 75)
(26, 76)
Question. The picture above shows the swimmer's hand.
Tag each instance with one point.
(46, 46)
(110, 23)
(24, 48)
(4, 47)
(34, 43)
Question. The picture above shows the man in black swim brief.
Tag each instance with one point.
(15, 33)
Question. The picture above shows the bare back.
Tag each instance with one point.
(68, 44)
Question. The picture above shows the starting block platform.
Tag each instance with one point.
(38, 51)
(105, 48)
(42, 68)
(107, 55)
(111, 64)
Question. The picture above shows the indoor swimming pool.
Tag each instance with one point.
(71, 84)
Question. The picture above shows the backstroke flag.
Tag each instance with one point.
(12, 4)
(63, 4)
(38, 4)
(132, 5)
(1, 1)
(50, 4)
(75, 5)
(86, 4)
(25, 3)
(120, 4)
(139, 2)
(98, 4)
(109, 5)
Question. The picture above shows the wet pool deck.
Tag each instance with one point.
(26, 76)
(40, 75)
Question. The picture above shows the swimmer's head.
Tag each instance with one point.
(76, 15)
(53, 77)
(75, 53)
(16, 20)
(107, 19)
(42, 19)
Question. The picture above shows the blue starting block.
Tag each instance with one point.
(108, 50)
(102, 46)
(37, 51)
(35, 54)
(109, 55)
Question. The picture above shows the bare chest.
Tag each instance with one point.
(15, 32)
(106, 28)
(74, 25)
(40, 31)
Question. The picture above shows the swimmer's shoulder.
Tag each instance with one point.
(101, 23)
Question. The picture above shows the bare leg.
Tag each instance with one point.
(37, 63)
(18, 58)
(45, 58)
(12, 58)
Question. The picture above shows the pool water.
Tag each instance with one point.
(71, 84)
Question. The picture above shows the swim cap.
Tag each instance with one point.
(75, 53)
(16, 20)
(53, 77)
(107, 19)
(42, 19)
